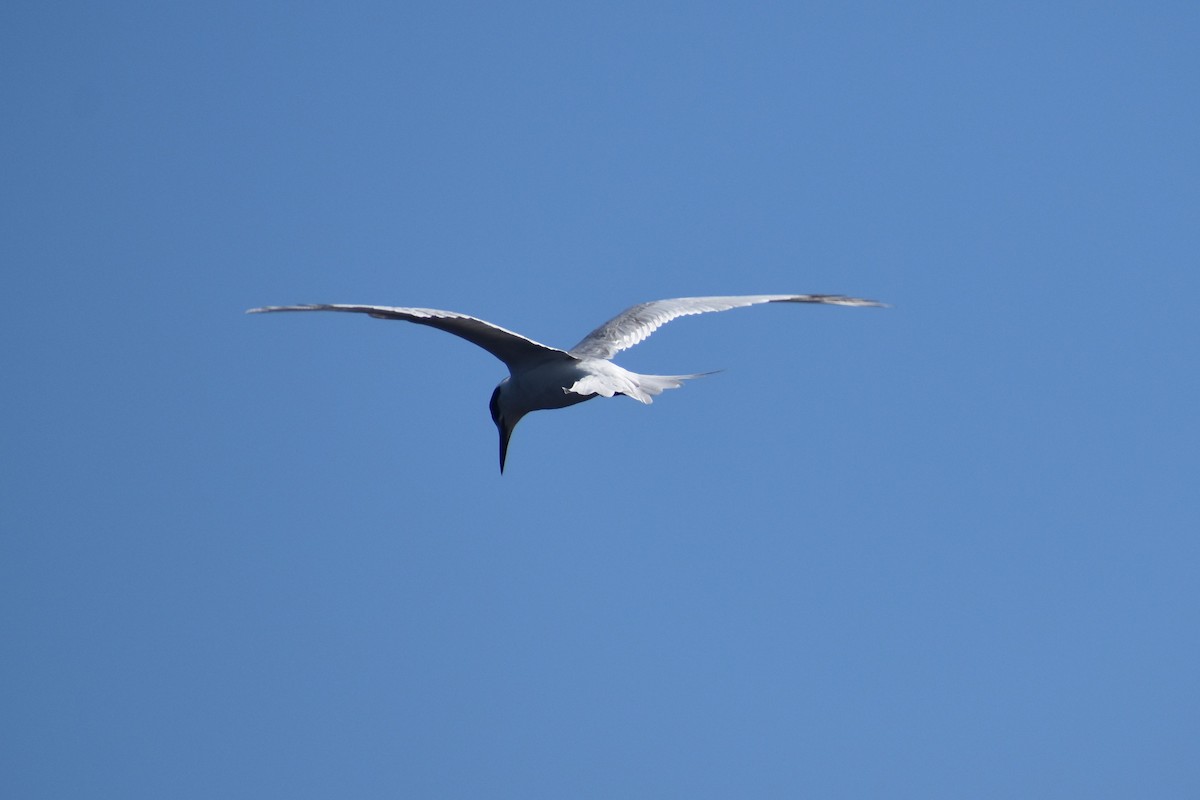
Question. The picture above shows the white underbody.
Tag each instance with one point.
(559, 384)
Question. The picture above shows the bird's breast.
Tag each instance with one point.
(545, 386)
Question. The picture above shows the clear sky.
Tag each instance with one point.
(949, 549)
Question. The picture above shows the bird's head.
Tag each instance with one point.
(506, 417)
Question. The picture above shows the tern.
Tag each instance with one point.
(543, 377)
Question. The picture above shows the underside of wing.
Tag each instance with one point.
(635, 324)
(515, 350)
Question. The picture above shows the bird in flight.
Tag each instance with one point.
(542, 377)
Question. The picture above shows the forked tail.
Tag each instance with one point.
(608, 379)
(647, 387)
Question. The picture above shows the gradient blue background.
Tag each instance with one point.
(944, 550)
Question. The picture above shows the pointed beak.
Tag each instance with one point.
(505, 432)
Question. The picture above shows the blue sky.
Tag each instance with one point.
(947, 549)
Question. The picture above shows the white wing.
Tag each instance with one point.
(515, 350)
(635, 324)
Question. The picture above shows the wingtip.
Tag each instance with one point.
(861, 302)
(270, 309)
(832, 300)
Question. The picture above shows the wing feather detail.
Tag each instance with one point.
(635, 324)
(515, 350)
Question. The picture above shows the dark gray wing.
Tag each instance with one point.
(635, 324)
(515, 350)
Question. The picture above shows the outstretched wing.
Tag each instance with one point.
(513, 349)
(635, 324)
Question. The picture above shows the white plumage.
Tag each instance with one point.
(543, 377)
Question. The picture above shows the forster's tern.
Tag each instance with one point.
(542, 377)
